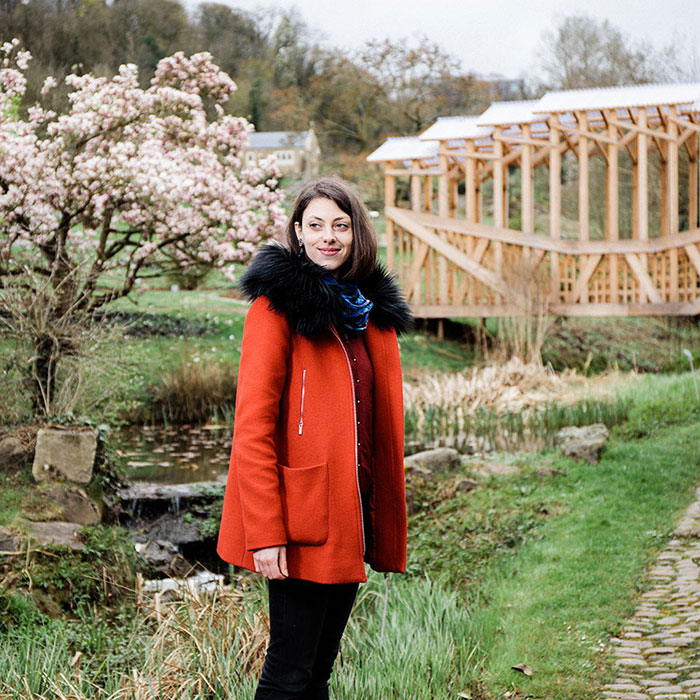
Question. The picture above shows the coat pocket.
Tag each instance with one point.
(304, 494)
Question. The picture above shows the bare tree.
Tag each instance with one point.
(583, 52)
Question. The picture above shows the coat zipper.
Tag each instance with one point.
(301, 410)
(354, 412)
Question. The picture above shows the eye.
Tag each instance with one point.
(342, 226)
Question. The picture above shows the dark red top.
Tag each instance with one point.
(363, 382)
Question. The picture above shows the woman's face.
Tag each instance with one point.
(326, 232)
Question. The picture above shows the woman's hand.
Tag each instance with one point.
(271, 562)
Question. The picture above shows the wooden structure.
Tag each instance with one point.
(459, 250)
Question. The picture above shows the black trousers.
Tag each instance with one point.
(307, 620)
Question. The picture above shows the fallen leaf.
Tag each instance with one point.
(523, 668)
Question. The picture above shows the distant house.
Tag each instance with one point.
(297, 152)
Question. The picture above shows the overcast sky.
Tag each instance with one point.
(499, 36)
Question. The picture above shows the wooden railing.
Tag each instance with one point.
(449, 267)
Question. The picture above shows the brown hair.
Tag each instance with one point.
(363, 253)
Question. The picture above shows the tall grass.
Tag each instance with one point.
(437, 425)
(192, 392)
(213, 647)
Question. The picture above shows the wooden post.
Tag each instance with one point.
(498, 180)
(693, 183)
(663, 157)
(554, 181)
(672, 172)
(554, 201)
(453, 199)
(415, 189)
(443, 211)
(642, 232)
(389, 201)
(583, 179)
(470, 184)
(612, 213)
(428, 193)
(613, 210)
(498, 198)
(672, 182)
(527, 183)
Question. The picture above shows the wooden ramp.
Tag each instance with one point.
(453, 268)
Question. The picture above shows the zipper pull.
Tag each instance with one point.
(301, 425)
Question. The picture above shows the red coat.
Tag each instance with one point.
(293, 474)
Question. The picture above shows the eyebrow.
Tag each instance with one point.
(344, 218)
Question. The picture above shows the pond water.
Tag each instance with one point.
(176, 454)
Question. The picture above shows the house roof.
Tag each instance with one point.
(404, 148)
(278, 139)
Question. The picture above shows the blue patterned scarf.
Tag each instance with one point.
(356, 307)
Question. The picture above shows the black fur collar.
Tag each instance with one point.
(295, 288)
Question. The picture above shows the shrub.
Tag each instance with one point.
(192, 392)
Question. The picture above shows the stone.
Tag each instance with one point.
(440, 460)
(64, 455)
(586, 442)
(10, 541)
(587, 432)
(55, 532)
(76, 505)
(11, 453)
(589, 450)
(466, 485)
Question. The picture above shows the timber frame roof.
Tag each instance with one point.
(472, 244)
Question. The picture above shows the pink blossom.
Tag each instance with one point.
(130, 176)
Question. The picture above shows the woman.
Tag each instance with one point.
(315, 485)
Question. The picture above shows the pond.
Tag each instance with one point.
(175, 454)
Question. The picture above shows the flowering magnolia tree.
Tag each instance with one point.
(128, 183)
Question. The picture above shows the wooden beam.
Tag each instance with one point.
(637, 127)
(415, 192)
(554, 181)
(412, 284)
(559, 309)
(593, 135)
(673, 201)
(389, 201)
(527, 189)
(694, 255)
(693, 183)
(580, 290)
(443, 211)
(563, 245)
(645, 283)
(612, 212)
(453, 254)
(522, 140)
(410, 171)
(642, 232)
(470, 185)
(672, 173)
(583, 184)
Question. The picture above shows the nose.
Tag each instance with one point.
(328, 234)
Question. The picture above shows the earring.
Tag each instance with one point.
(301, 247)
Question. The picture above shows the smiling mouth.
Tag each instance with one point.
(329, 251)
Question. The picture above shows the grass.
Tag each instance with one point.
(556, 602)
(540, 567)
